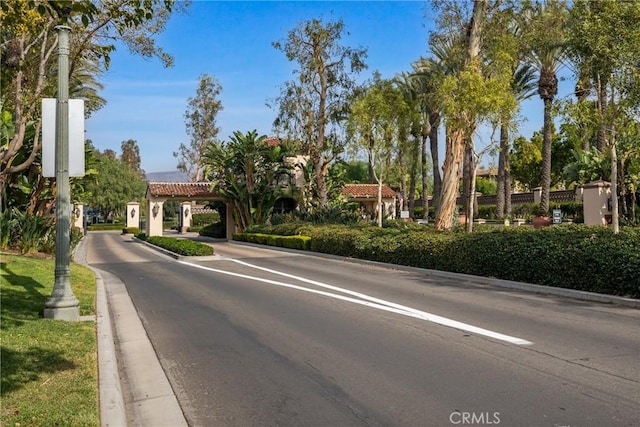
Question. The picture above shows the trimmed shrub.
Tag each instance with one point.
(568, 256)
(296, 242)
(274, 240)
(202, 219)
(216, 230)
(131, 230)
(181, 246)
(104, 227)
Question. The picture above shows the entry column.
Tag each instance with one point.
(154, 217)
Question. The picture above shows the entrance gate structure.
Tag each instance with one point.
(160, 192)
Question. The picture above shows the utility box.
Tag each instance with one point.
(596, 197)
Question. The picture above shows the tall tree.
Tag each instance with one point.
(112, 186)
(131, 155)
(414, 125)
(461, 119)
(200, 120)
(373, 121)
(428, 74)
(604, 41)
(311, 106)
(523, 87)
(545, 25)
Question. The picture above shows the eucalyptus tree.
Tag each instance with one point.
(478, 91)
(373, 126)
(446, 59)
(545, 32)
(312, 106)
(201, 126)
(604, 41)
(250, 174)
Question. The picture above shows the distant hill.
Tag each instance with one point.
(171, 176)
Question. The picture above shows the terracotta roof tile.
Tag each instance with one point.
(367, 190)
(272, 141)
(180, 189)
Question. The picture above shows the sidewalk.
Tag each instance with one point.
(133, 388)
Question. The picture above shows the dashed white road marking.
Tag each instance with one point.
(363, 299)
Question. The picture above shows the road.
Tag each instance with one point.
(260, 337)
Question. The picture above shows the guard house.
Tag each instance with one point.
(185, 192)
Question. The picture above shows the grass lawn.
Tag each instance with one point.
(49, 367)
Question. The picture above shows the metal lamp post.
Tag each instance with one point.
(62, 304)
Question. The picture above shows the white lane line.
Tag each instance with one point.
(366, 300)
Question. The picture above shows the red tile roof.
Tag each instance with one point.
(180, 189)
(272, 141)
(367, 191)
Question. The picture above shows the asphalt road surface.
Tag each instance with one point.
(259, 337)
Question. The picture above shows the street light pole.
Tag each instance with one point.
(62, 304)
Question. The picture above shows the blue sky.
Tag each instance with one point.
(231, 40)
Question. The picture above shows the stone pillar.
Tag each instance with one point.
(537, 195)
(154, 217)
(231, 223)
(78, 216)
(133, 215)
(595, 196)
(186, 215)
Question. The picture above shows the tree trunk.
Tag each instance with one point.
(507, 186)
(451, 179)
(434, 122)
(502, 156)
(546, 156)
(464, 125)
(602, 108)
(467, 167)
(380, 207)
(615, 220)
(415, 155)
(425, 178)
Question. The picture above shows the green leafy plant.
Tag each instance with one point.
(8, 224)
(32, 231)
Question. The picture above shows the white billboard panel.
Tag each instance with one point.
(76, 137)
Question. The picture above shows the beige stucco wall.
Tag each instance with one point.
(154, 223)
(595, 197)
(133, 215)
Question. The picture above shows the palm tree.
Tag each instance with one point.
(250, 174)
(545, 25)
(523, 86)
(410, 94)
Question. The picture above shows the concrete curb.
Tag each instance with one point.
(112, 408)
(149, 397)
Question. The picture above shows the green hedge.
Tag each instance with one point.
(216, 230)
(202, 219)
(181, 246)
(566, 256)
(104, 227)
(131, 230)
